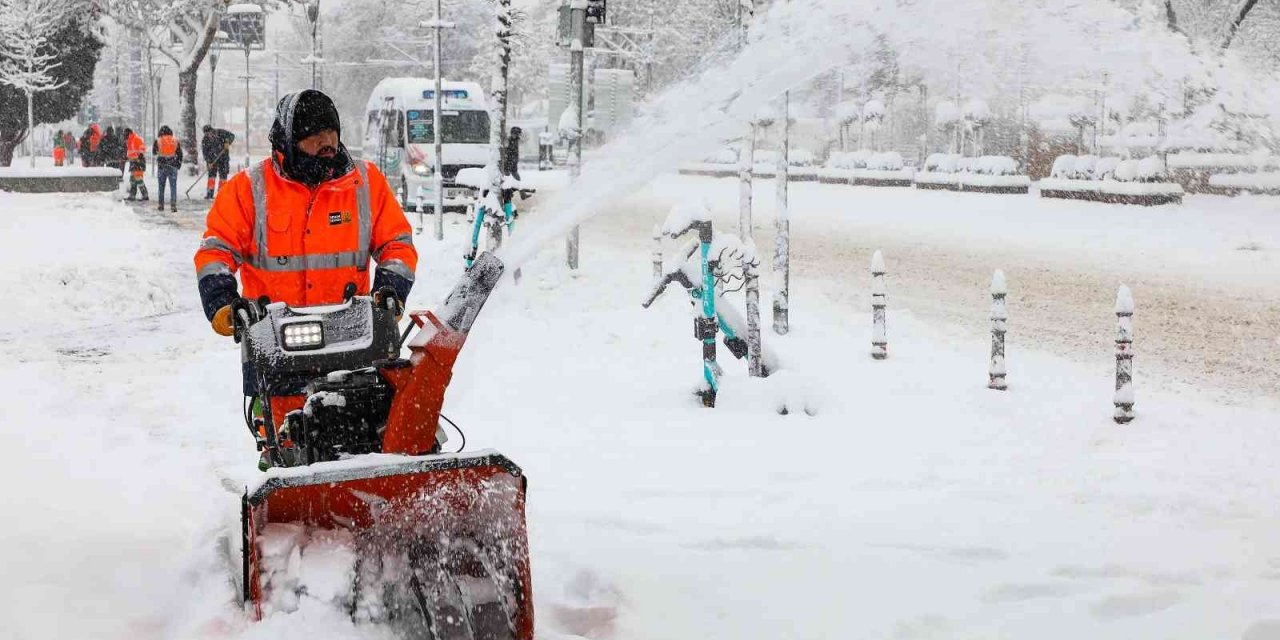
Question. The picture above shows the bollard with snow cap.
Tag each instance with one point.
(657, 252)
(999, 318)
(1124, 356)
(879, 299)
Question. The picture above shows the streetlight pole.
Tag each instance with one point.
(213, 68)
(577, 101)
(313, 15)
(246, 104)
(438, 25)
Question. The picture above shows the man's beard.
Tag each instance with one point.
(312, 170)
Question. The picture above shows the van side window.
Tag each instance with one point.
(393, 128)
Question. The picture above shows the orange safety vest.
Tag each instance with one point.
(136, 147)
(168, 147)
(302, 246)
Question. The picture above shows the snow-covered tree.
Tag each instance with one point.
(182, 31)
(28, 57)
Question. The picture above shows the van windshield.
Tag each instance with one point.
(460, 127)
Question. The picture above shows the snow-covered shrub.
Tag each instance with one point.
(873, 111)
(941, 163)
(1064, 167)
(1084, 167)
(801, 158)
(966, 165)
(996, 166)
(976, 110)
(1105, 169)
(1151, 169)
(849, 159)
(1126, 171)
(766, 156)
(888, 161)
(947, 113)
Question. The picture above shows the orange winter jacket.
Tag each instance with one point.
(135, 147)
(301, 246)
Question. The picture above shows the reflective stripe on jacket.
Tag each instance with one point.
(302, 246)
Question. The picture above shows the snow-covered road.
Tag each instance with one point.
(914, 504)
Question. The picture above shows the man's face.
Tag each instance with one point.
(323, 144)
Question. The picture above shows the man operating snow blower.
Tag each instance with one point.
(301, 226)
(427, 542)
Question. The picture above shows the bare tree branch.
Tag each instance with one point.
(1171, 16)
(1234, 26)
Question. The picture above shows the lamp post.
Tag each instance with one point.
(245, 22)
(313, 16)
(213, 69)
(438, 25)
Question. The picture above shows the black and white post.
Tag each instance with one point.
(999, 319)
(1124, 356)
(747, 154)
(657, 253)
(578, 101)
(438, 25)
(782, 232)
(879, 299)
(755, 350)
(498, 120)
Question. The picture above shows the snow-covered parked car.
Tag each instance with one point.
(1112, 180)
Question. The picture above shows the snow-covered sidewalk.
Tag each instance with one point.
(913, 503)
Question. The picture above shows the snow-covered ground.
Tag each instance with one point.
(912, 503)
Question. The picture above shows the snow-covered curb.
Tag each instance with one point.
(1112, 191)
(58, 172)
(1236, 183)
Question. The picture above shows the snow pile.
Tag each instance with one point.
(1064, 168)
(1105, 169)
(887, 161)
(685, 214)
(977, 110)
(22, 171)
(942, 163)
(1269, 181)
(992, 171)
(1084, 166)
(946, 113)
(297, 563)
(873, 111)
(801, 158)
(723, 155)
(849, 159)
(767, 157)
(77, 259)
(1058, 113)
(995, 166)
(1213, 161)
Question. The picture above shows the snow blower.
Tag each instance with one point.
(360, 509)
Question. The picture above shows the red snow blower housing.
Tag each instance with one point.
(434, 543)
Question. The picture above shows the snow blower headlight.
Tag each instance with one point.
(301, 336)
(422, 169)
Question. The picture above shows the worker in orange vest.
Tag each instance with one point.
(136, 152)
(168, 160)
(303, 224)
